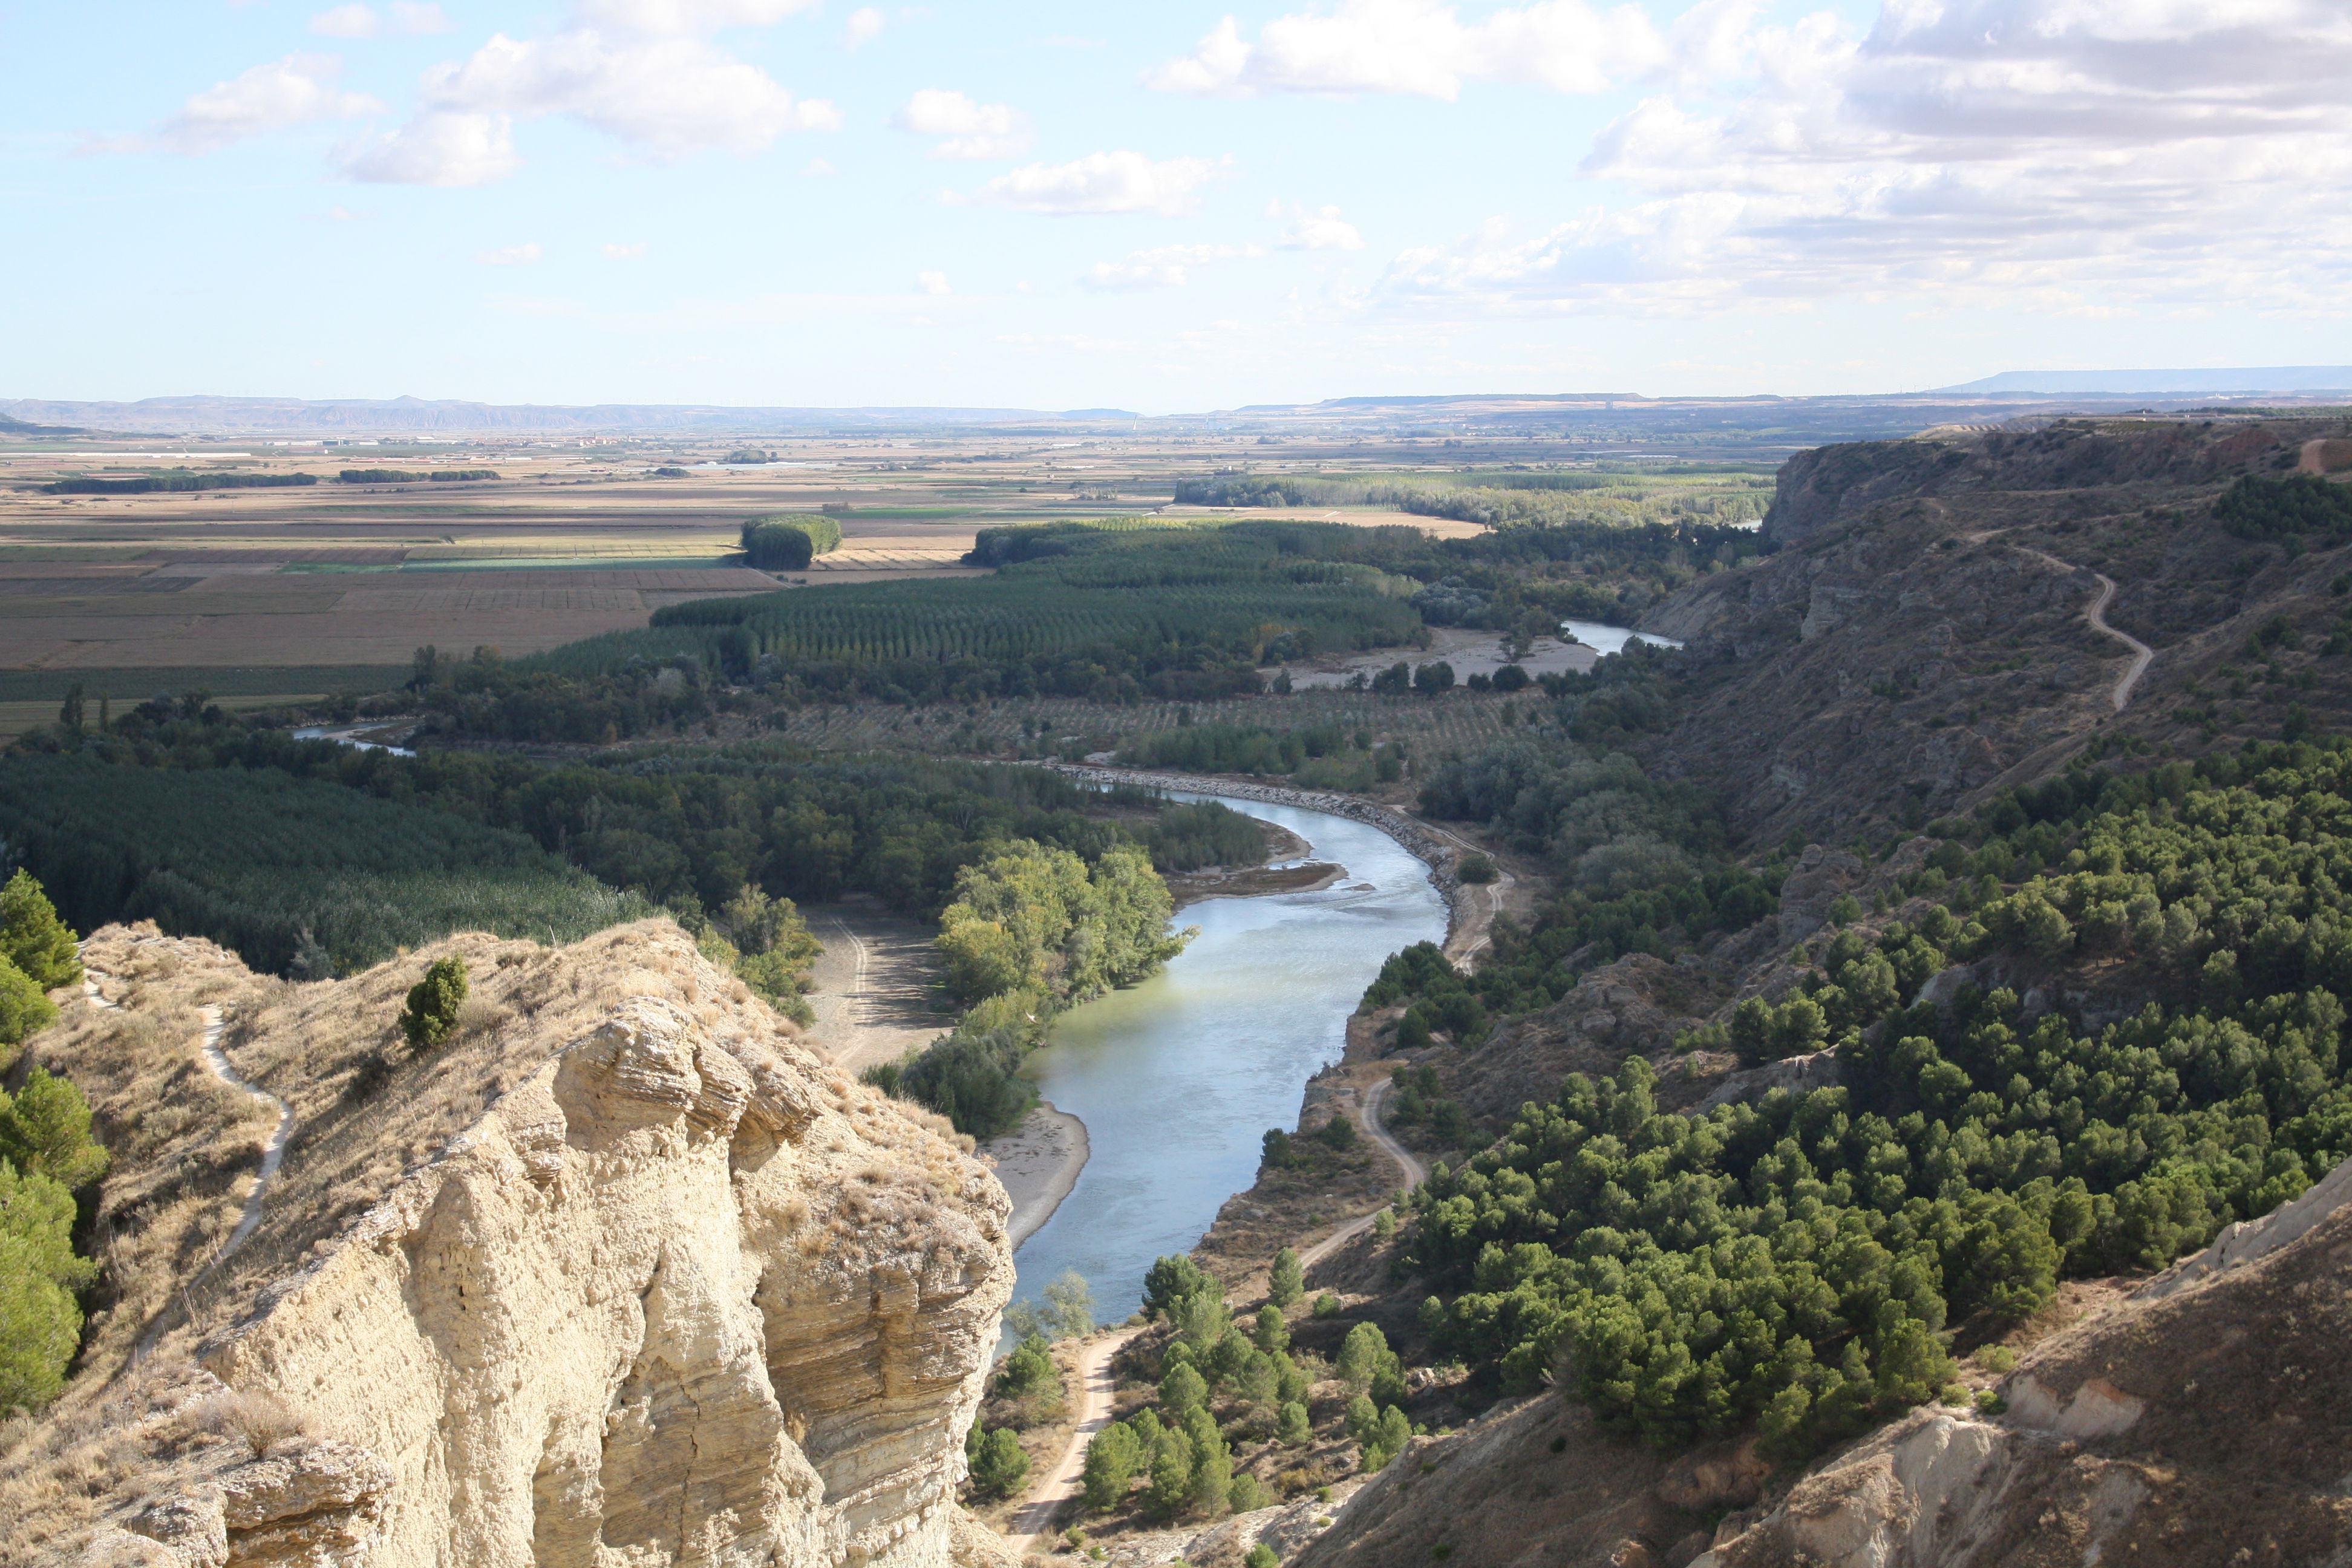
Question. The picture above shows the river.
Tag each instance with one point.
(1178, 1079)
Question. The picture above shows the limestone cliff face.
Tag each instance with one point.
(681, 1296)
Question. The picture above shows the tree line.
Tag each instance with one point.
(48, 1159)
(1799, 1263)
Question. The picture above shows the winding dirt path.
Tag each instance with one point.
(273, 1153)
(1414, 1174)
(2096, 614)
(1063, 1484)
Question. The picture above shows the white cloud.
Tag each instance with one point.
(439, 149)
(625, 252)
(670, 94)
(1104, 183)
(866, 25)
(2082, 155)
(511, 256)
(973, 130)
(296, 91)
(818, 168)
(352, 21)
(1162, 267)
(1423, 47)
(932, 282)
(1321, 230)
(685, 16)
(359, 21)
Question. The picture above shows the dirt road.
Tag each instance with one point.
(1415, 1172)
(874, 986)
(2096, 613)
(1064, 1482)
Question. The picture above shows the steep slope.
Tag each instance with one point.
(2200, 1420)
(646, 1280)
(1923, 633)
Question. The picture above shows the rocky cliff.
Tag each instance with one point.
(1922, 635)
(663, 1287)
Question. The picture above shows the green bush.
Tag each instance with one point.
(1477, 869)
(45, 1131)
(1112, 1459)
(1287, 1282)
(1029, 1371)
(40, 1322)
(433, 1004)
(23, 1008)
(2259, 507)
(33, 938)
(774, 546)
(998, 1463)
(787, 541)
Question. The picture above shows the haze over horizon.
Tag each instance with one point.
(1166, 209)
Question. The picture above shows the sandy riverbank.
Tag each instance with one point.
(1039, 1163)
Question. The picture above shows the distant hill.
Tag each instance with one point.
(18, 427)
(243, 415)
(2073, 383)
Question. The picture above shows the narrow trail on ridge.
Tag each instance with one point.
(2095, 613)
(216, 1062)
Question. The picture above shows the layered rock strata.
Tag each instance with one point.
(681, 1296)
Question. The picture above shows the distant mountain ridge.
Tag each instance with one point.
(2073, 383)
(244, 415)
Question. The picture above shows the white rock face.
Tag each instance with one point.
(676, 1300)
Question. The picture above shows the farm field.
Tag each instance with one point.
(570, 542)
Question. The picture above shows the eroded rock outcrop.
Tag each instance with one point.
(682, 1296)
(2202, 1424)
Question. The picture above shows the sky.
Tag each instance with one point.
(1165, 208)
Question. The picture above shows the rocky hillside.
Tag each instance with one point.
(620, 1271)
(1921, 634)
(2200, 1420)
(1942, 621)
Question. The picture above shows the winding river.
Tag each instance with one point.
(1178, 1079)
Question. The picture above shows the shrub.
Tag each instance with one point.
(1261, 1556)
(999, 1465)
(1477, 869)
(1029, 1371)
(23, 1008)
(1170, 1281)
(1292, 1429)
(1327, 1305)
(774, 546)
(1336, 1133)
(433, 1004)
(44, 1130)
(1112, 1458)
(1288, 1283)
(33, 938)
(40, 1323)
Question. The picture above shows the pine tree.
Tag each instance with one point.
(33, 938)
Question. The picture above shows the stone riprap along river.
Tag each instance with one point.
(1178, 1079)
